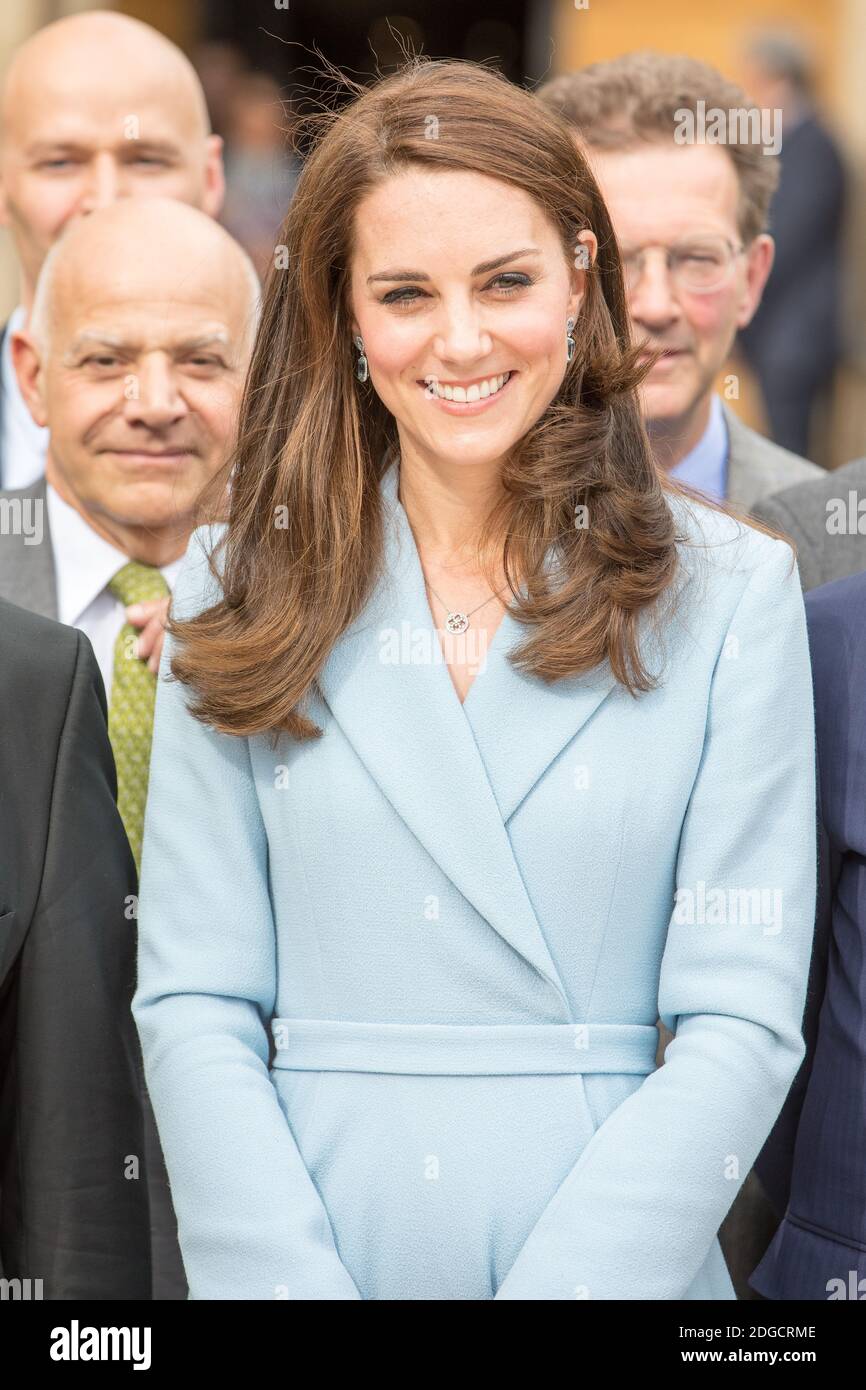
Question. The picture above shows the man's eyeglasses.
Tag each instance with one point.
(698, 265)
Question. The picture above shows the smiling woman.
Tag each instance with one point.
(457, 261)
(406, 924)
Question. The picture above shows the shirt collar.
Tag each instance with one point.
(706, 465)
(84, 561)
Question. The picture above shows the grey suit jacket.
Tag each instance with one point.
(757, 467)
(810, 514)
(28, 579)
(27, 574)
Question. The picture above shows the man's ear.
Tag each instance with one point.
(214, 177)
(27, 362)
(759, 262)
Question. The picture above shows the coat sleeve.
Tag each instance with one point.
(251, 1224)
(84, 1215)
(636, 1216)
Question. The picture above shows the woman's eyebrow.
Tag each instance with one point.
(487, 266)
(482, 269)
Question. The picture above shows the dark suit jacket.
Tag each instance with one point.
(70, 1108)
(27, 577)
(814, 1163)
(796, 328)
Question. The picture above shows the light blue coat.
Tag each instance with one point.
(398, 985)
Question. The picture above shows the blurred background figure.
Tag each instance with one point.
(219, 65)
(94, 108)
(794, 341)
(261, 167)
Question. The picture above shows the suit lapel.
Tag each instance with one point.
(44, 576)
(454, 773)
(743, 487)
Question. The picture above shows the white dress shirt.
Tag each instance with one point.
(83, 565)
(24, 442)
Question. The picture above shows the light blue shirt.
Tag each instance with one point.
(706, 466)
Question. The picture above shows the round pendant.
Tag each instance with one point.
(456, 622)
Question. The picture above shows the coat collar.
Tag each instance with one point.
(454, 773)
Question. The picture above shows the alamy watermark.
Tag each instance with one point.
(729, 907)
(423, 646)
(21, 1290)
(77, 1343)
(854, 1289)
(22, 516)
(740, 125)
(846, 516)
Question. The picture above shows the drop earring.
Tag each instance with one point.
(362, 371)
(570, 344)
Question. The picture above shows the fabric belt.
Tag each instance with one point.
(463, 1049)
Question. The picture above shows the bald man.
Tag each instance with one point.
(94, 108)
(134, 360)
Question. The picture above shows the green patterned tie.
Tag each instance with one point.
(130, 709)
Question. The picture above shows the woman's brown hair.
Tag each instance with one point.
(312, 443)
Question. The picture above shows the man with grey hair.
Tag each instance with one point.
(687, 176)
(94, 107)
(690, 214)
(143, 324)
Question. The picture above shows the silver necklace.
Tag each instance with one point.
(456, 621)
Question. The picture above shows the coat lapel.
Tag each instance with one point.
(454, 773)
(521, 723)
